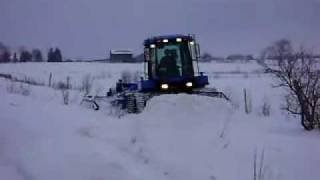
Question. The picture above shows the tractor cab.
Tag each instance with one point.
(171, 64)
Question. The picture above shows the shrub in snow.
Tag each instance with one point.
(65, 96)
(18, 88)
(64, 87)
(298, 73)
(60, 85)
(87, 83)
(265, 109)
(261, 170)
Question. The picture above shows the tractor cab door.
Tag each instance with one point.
(169, 60)
(169, 63)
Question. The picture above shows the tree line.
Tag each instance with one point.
(24, 55)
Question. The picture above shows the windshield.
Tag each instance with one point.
(174, 60)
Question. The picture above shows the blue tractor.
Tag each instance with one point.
(170, 66)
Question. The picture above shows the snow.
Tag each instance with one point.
(175, 137)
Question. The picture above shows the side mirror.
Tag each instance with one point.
(193, 51)
(198, 51)
(146, 54)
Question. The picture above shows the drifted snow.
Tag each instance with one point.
(176, 137)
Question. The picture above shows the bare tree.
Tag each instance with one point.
(298, 72)
(87, 83)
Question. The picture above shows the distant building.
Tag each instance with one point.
(240, 57)
(121, 56)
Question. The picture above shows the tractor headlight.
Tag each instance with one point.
(152, 46)
(165, 40)
(164, 86)
(191, 42)
(189, 84)
(179, 40)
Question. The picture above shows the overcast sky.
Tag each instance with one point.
(90, 28)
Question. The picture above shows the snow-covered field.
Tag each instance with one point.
(105, 75)
(176, 137)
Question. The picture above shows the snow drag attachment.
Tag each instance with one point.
(211, 92)
(90, 101)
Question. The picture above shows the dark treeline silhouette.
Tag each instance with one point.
(54, 55)
(4, 53)
(37, 55)
(24, 55)
(14, 58)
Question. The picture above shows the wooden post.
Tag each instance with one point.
(65, 92)
(246, 108)
(50, 79)
(68, 82)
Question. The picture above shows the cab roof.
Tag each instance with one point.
(173, 37)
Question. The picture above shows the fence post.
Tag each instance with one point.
(246, 108)
(68, 82)
(50, 79)
(65, 92)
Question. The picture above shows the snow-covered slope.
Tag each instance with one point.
(176, 137)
